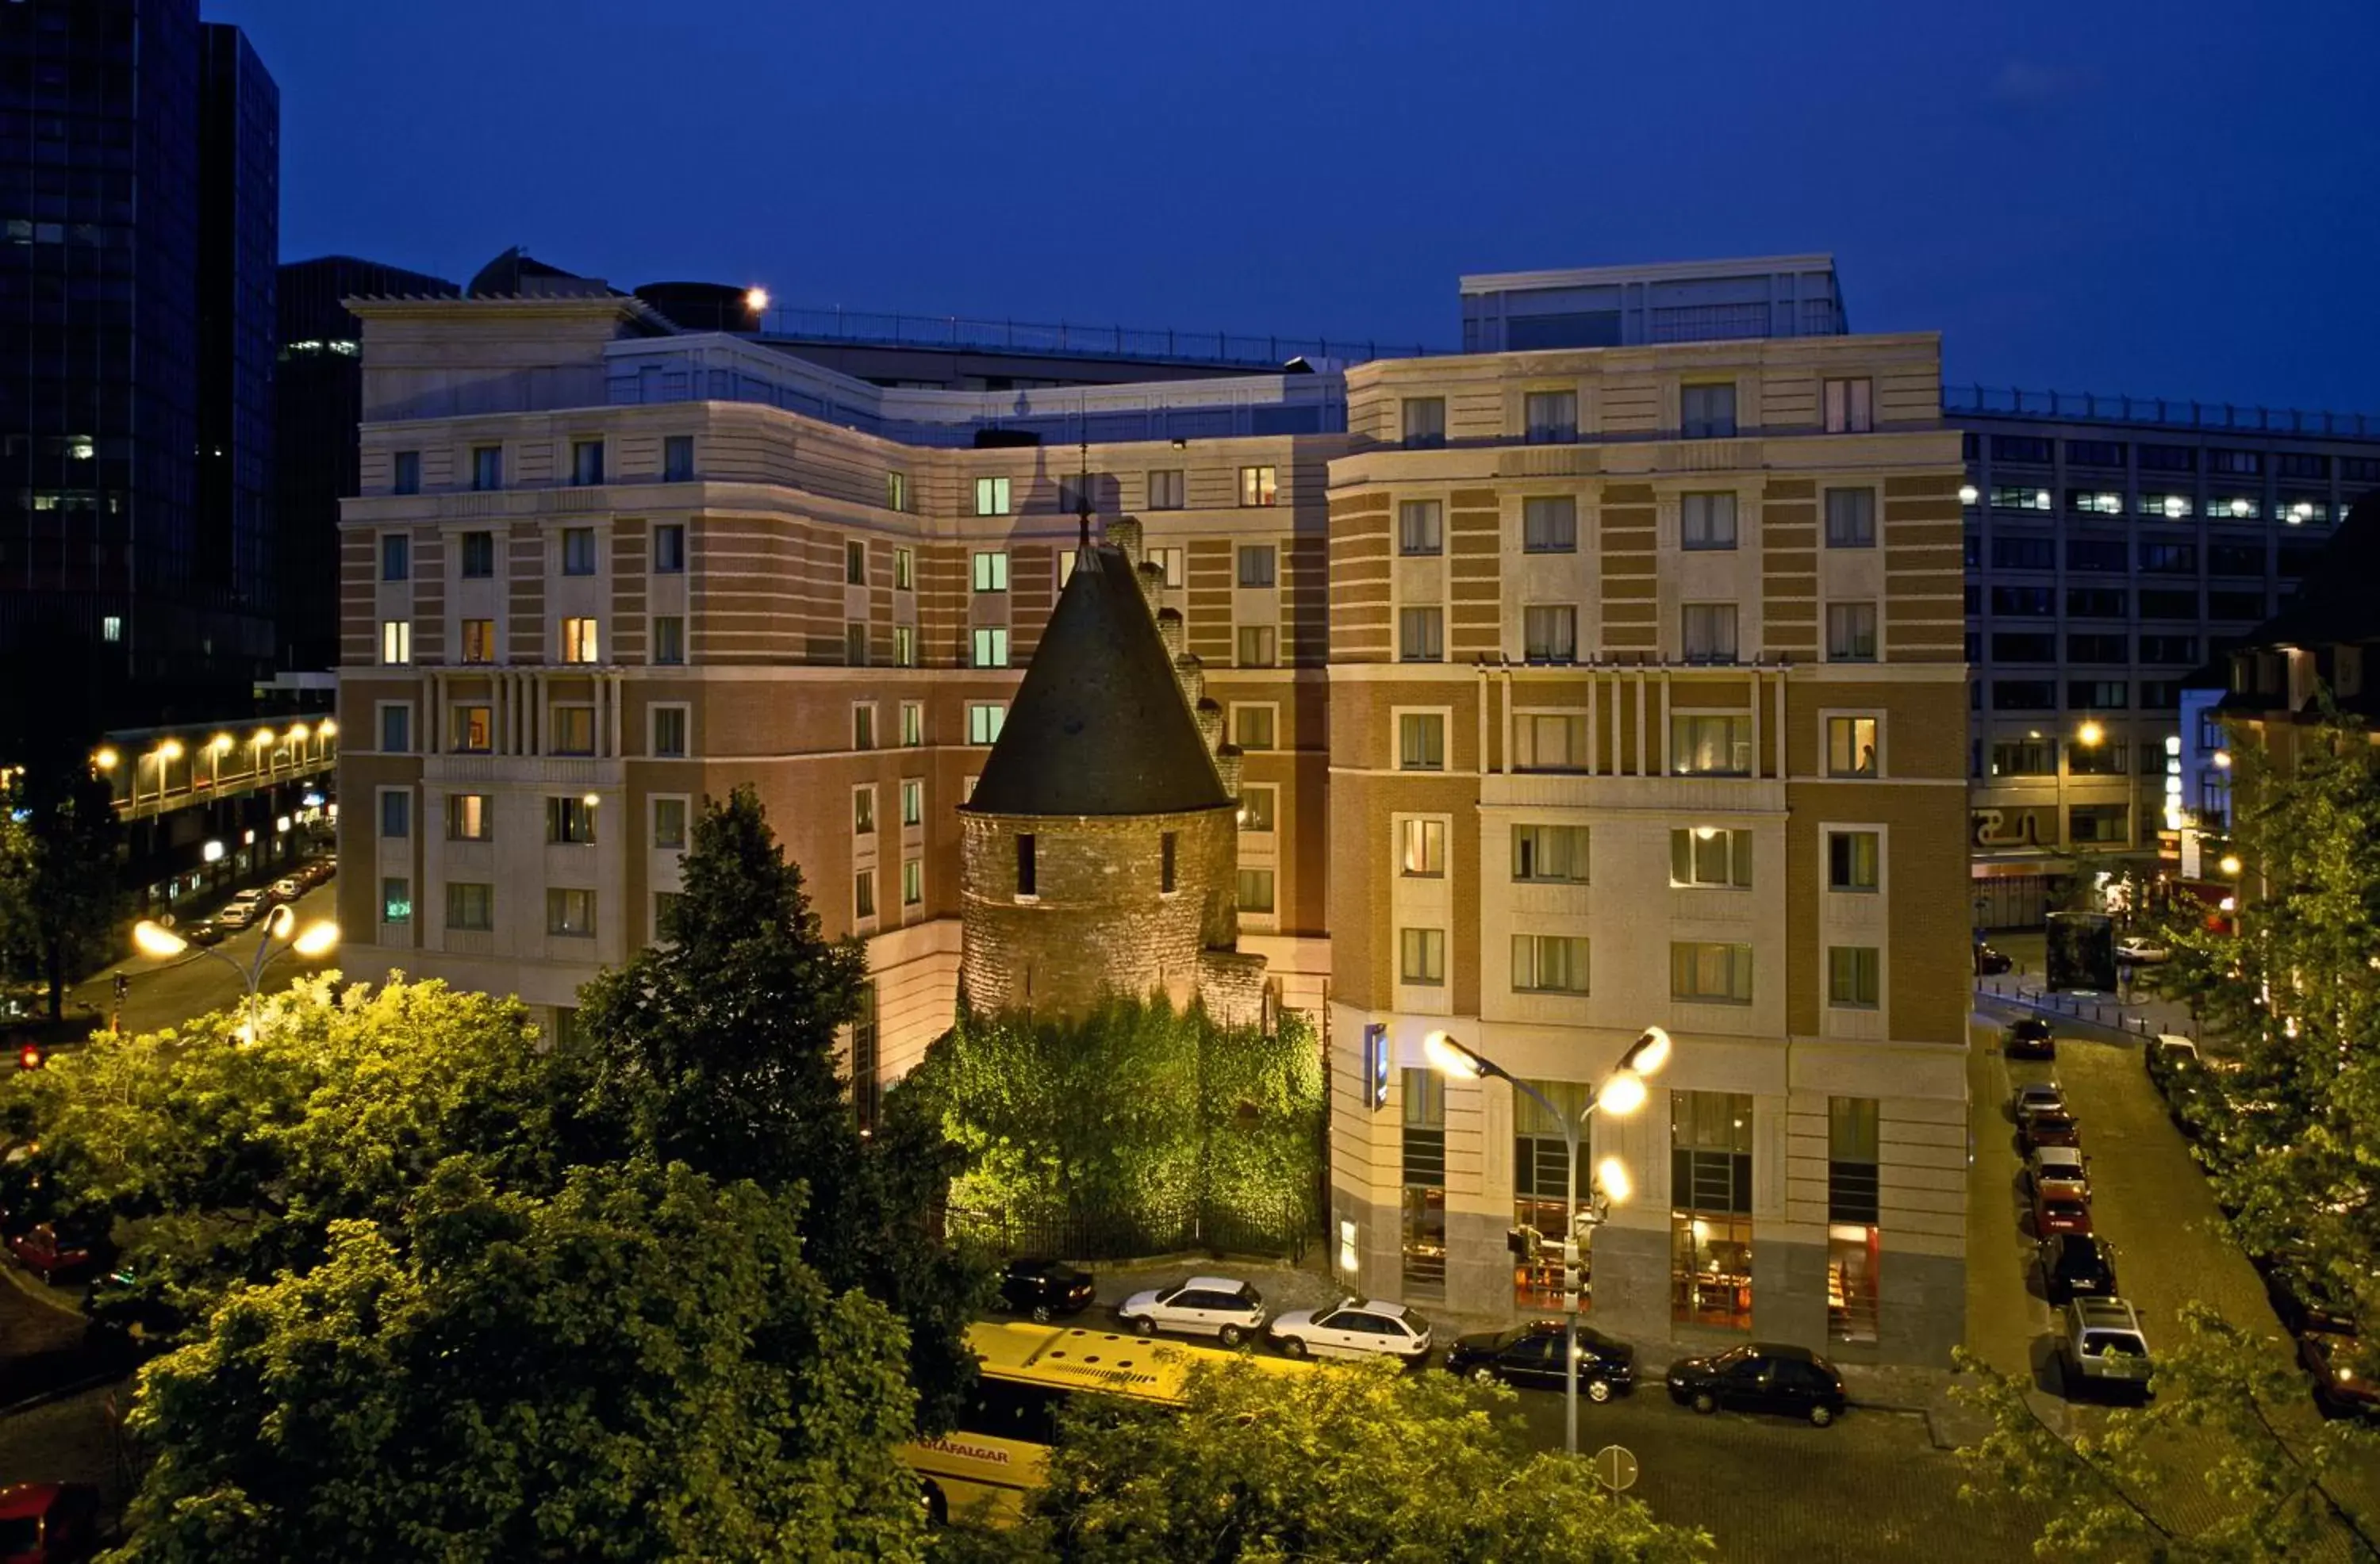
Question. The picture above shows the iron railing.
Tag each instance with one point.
(1073, 340)
(2160, 411)
(1129, 1234)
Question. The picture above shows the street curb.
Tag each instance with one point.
(40, 1294)
(61, 1393)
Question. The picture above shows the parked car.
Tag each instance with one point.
(2076, 1265)
(48, 1522)
(203, 931)
(2053, 1213)
(2301, 1299)
(54, 1249)
(2048, 1129)
(242, 910)
(1762, 1376)
(128, 1321)
(2102, 1347)
(288, 889)
(1203, 1305)
(2140, 950)
(1044, 1289)
(2060, 1171)
(2029, 1037)
(2346, 1373)
(1530, 1357)
(2036, 1096)
(1990, 962)
(1353, 1329)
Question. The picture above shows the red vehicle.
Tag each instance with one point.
(48, 1522)
(2050, 1129)
(2059, 1213)
(50, 1254)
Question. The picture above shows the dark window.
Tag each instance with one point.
(1853, 1149)
(2169, 458)
(2170, 559)
(2235, 605)
(478, 555)
(2160, 694)
(2299, 560)
(2157, 604)
(2094, 649)
(2025, 553)
(396, 557)
(2021, 448)
(2095, 453)
(2098, 694)
(2095, 759)
(2097, 554)
(2024, 758)
(2035, 603)
(1970, 598)
(2098, 822)
(2096, 602)
(2013, 647)
(678, 458)
(2168, 648)
(1024, 880)
(2024, 695)
(407, 477)
(2235, 559)
(1970, 551)
(1165, 844)
(2302, 464)
(2237, 463)
(2359, 469)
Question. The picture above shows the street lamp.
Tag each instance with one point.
(2090, 733)
(281, 935)
(1622, 1094)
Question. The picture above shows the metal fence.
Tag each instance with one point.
(1073, 340)
(2112, 1014)
(1128, 1234)
(2171, 413)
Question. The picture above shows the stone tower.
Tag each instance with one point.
(1100, 851)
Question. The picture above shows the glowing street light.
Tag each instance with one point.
(1968, 493)
(755, 299)
(279, 935)
(2090, 733)
(106, 759)
(2222, 759)
(2229, 864)
(1620, 1095)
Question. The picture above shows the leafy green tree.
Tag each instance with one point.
(59, 896)
(230, 1162)
(2230, 1421)
(718, 1048)
(1358, 1463)
(641, 1365)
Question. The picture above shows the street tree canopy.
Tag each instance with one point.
(638, 1367)
(1354, 1462)
(718, 1048)
(58, 892)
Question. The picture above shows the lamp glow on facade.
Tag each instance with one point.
(2090, 733)
(755, 299)
(1969, 493)
(2229, 864)
(106, 759)
(2222, 759)
(170, 750)
(211, 853)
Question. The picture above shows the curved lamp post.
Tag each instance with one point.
(281, 935)
(1621, 1093)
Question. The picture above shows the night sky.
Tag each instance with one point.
(2158, 196)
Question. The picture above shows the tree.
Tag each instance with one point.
(2230, 1420)
(59, 896)
(1342, 1463)
(718, 1048)
(638, 1367)
(229, 1163)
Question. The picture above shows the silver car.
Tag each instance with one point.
(1203, 1305)
(2102, 1346)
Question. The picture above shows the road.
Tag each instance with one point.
(166, 993)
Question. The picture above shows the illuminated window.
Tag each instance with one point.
(470, 817)
(1851, 747)
(904, 570)
(896, 491)
(991, 569)
(913, 881)
(1710, 855)
(913, 801)
(1257, 804)
(913, 722)
(474, 729)
(581, 641)
(478, 640)
(991, 646)
(990, 498)
(395, 641)
(1853, 860)
(1423, 854)
(984, 719)
(1256, 890)
(1258, 487)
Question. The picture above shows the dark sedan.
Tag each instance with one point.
(2075, 1265)
(1990, 962)
(1530, 1357)
(1044, 1289)
(2037, 1129)
(2346, 1375)
(2029, 1039)
(1761, 1377)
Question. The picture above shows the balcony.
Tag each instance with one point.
(576, 772)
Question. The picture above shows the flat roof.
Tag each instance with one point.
(1656, 272)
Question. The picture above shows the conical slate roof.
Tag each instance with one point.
(1099, 726)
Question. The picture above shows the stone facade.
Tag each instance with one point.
(1099, 919)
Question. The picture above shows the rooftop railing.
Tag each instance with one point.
(1063, 339)
(2157, 411)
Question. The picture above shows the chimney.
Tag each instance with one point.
(1191, 674)
(1210, 723)
(1227, 766)
(1170, 630)
(1124, 533)
(1152, 583)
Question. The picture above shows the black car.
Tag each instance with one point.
(203, 931)
(1044, 1289)
(2301, 1299)
(1990, 962)
(2029, 1039)
(1762, 1376)
(1530, 1356)
(2075, 1265)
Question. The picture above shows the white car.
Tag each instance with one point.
(2038, 1097)
(1353, 1329)
(240, 913)
(2141, 952)
(1203, 1305)
(2058, 1171)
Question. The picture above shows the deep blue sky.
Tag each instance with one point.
(2159, 197)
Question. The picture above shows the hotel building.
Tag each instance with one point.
(1578, 686)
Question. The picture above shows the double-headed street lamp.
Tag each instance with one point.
(281, 935)
(1623, 1092)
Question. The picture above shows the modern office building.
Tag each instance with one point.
(141, 211)
(318, 402)
(2113, 548)
(1619, 662)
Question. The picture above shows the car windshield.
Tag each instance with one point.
(1732, 1357)
(1415, 1323)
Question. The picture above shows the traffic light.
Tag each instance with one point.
(1571, 1274)
(29, 1057)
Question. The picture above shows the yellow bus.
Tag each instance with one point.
(988, 1467)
